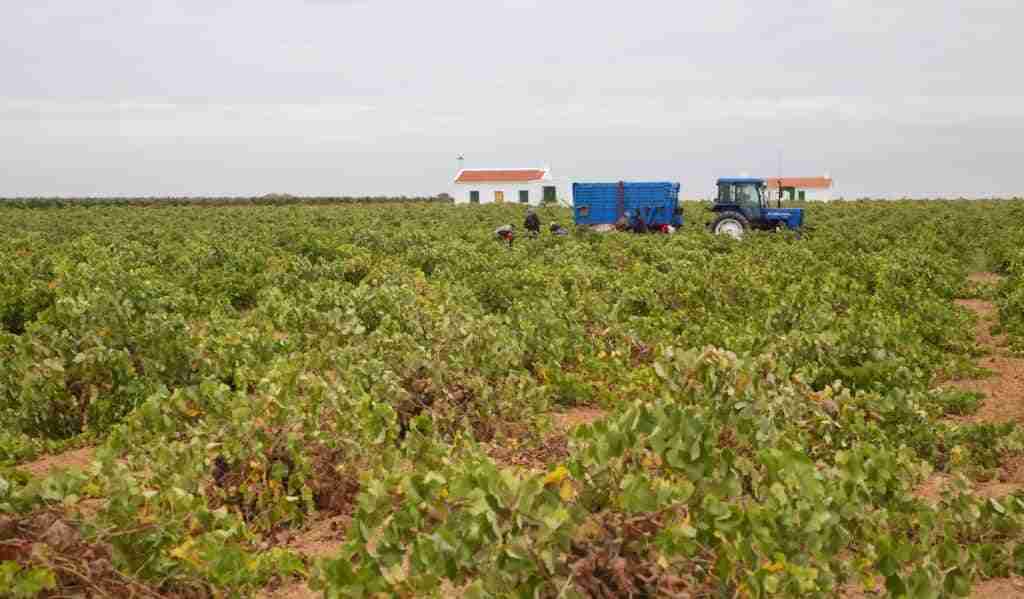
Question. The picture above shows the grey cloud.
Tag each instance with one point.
(336, 96)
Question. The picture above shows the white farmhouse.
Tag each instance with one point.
(801, 189)
(508, 185)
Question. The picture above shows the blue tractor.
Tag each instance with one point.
(743, 204)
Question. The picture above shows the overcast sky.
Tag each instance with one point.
(335, 97)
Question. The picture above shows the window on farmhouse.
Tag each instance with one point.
(474, 197)
(524, 196)
(550, 194)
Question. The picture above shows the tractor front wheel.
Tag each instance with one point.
(733, 224)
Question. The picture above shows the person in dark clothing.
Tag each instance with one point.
(532, 222)
(557, 229)
(639, 225)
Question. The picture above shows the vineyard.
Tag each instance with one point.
(380, 400)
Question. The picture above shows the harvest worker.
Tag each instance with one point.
(557, 229)
(506, 233)
(622, 224)
(639, 226)
(532, 222)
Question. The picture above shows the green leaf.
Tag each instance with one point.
(778, 492)
(556, 518)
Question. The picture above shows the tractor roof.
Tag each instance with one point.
(732, 180)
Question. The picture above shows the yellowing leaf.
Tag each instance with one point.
(556, 476)
(773, 566)
(186, 553)
(651, 460)
(567, 492)
(181, 551)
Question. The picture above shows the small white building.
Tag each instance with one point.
(532, 186)
(800, 189)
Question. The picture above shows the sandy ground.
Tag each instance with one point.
(574, 417)
(1004, 402)
(322, 539)
(76, 458)
(1004, 390)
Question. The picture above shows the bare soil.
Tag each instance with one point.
(988, 278)
(76, 458)
(1004, 402)
(530, 454)
(321, 539)
(1009, 479)
(295, 590)
(525, 452)
(1004, 389)
(930, 490)
(995, 588)
(574, 417)
(999, 588)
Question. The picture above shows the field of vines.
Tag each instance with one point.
(188, 392)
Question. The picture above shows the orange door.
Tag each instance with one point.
(499, 197)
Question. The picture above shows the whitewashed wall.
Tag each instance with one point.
(817, 195)
(811, 195)
(563, 191)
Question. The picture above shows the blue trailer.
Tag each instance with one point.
(605, 203)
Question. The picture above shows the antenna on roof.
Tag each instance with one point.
(779, 182)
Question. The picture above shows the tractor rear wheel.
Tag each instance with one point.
(733, 224)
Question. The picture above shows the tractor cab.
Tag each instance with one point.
(743, 204)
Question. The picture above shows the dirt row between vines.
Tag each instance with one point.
(75, 458)
(1004, 402)
(1003, 389)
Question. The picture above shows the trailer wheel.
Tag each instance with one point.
(733, 224)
